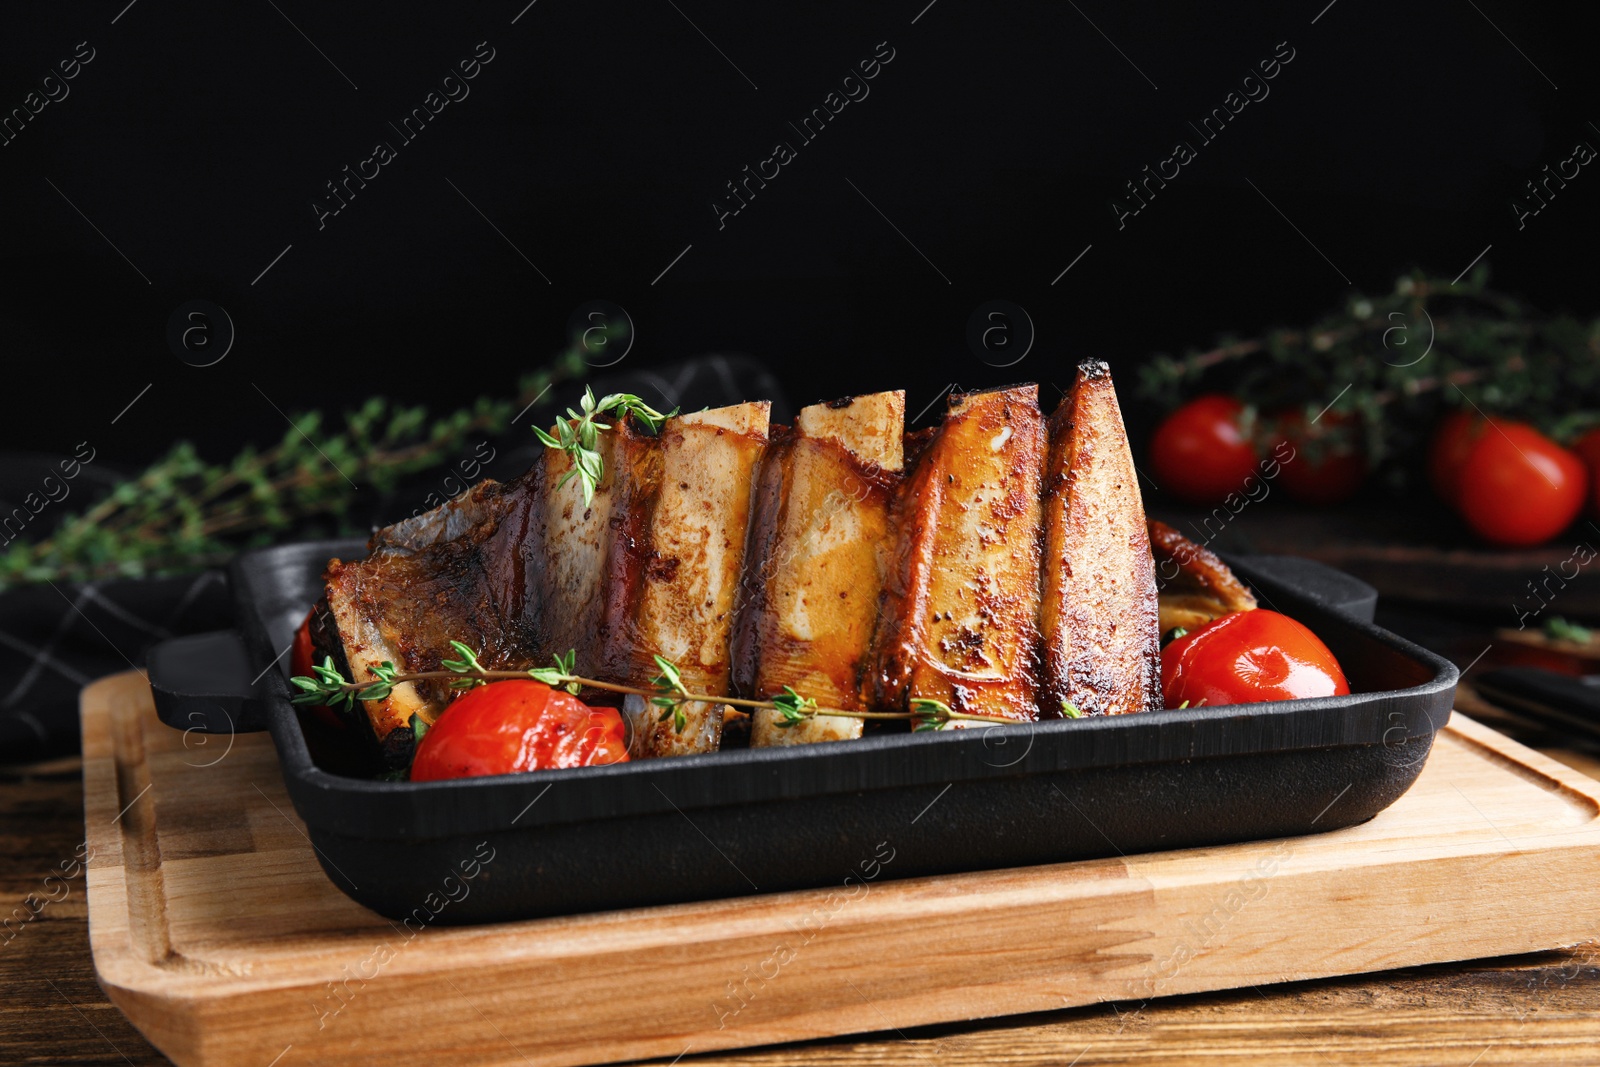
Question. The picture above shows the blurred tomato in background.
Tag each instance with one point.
(1329, 463)
(1517, 487)
(1202, 451)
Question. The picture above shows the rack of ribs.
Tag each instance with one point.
(997, 563)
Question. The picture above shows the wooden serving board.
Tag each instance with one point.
(216, 932)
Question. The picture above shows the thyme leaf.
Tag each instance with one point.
(578, 435)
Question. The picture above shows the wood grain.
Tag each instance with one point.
(1531, 1009)
(1540, 1009)
(213, 927)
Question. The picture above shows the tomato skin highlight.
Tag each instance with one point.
(1248, 657)
(1200, 452)
(1452, 440)
(1518, 487)
(1329, 464)
(514, 726)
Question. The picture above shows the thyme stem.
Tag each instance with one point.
(688, 697)
(669, 691)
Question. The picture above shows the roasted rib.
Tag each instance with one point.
(816, 555)
(570, 542)
(959, 621)
(450, 574)
(994, 564)
(1098, 617)
(673, 572)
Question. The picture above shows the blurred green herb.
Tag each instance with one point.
(1399, 361)
(1559, 629)
(183, 513)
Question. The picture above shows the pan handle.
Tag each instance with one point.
(204, 682)
(1332, 588)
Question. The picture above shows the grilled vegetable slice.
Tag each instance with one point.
(1196, 586)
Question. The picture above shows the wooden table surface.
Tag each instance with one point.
(1529, 1009)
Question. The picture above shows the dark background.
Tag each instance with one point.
(599, 135)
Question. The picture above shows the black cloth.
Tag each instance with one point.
(56, 637)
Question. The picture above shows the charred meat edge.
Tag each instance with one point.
(1101, 639)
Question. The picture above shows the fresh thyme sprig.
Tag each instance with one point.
(578, 435)
(667, 691)
(560, 676)
(467, 666)
(670, 693)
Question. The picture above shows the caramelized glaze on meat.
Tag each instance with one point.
(816, 560)
(959, 621)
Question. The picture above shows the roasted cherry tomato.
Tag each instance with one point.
(1518, 487)
(518, 726)
(1453, 438)
(1201, 451)
(1329, 462)
(1247, 657)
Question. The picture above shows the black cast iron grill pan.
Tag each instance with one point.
(760, 820)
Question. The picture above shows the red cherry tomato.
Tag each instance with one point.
(518, 726)
(301, 656)
(1247, 657)
(1200, 451)
(1518, 487)
(1587, 449)
(1329, 461)
(301, 652)
(1453, 438)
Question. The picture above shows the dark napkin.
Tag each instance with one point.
(57, 637)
